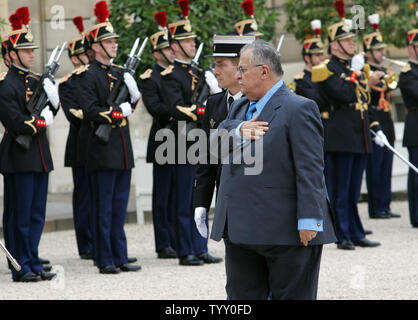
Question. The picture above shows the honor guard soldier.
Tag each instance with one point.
(313, 55)
(248, 26)
(163, 174)
(178, 84)
(109, 161)
(5, 43)
(25, 167)
(408, 80)
(347, 139)
(379, 163)
(68, 91)
(226, 50)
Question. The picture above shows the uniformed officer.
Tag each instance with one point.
(25, 171)
(347, 139)
(163, 174)
(5, 43)
(68, 94)
(226, 50)
(178, 84)
(109, 163)
(313, 55)
(379, 163)
(408, 80)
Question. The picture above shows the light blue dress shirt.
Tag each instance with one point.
(305, 223)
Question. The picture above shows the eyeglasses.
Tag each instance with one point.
(242, 70)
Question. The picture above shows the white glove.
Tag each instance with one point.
(132, 87)
(380, 139)
(200, 219)
(357, 63)
(212, 82)
(47, 114)
(52, 92)
(126, 109)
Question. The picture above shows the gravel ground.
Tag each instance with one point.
(387, 272)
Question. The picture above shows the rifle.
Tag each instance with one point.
(120, 92)
(201, 92)
(39, 99)
(10, 257)
(387, 145)
(279, 46)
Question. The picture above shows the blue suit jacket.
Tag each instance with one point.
(264, 208)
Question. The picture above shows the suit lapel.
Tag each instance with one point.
(269, 111)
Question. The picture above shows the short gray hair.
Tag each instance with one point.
(264, 53)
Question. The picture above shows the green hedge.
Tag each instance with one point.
(396, 17)
(208, 17)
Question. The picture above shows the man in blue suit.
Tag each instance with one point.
(277, 209)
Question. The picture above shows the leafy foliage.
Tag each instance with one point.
(396, 17)
(208, 17)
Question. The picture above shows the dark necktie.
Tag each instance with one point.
(230, 102)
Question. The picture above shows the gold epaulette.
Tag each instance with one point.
(81, 69)
(65, 78)
(78, 113)
(188, 111)
(3, 75)
(118, 66)
(299, 76)
(367, 70)
(292, 86)
(168, 70)
(406, 68)
(321, 72)
(146, 74)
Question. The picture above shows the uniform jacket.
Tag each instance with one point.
(347, 129)
(152, 97)
(408, 80)
(208, 175)
(178, 82)
(15, 92)
(68, 97)
(95, 86)
(383, 116)
(264, 209)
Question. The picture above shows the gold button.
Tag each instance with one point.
(318, 224)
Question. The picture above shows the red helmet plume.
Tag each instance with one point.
(15, 22)
(78, 22)
(24, 15)
(101, 11)
(161, 18)
(248, 6)
(184, 6)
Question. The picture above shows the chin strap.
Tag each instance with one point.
(342, 48)
(105, 50)
(165, 57)
(20, 61)
(178, 42)
(78, 58)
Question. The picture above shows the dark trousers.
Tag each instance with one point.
(256, 272)
(81, 210)
(343, 176)
(379, 179)
(110, 195)
(188, 239)
(413, 187)
(25, 207)
(163, 205)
